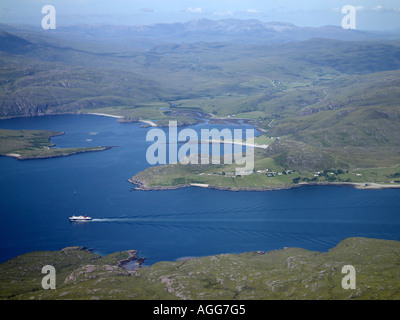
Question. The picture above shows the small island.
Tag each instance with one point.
(35, 144)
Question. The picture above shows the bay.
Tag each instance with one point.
(38, 196)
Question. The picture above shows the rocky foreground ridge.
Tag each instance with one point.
(289, 273)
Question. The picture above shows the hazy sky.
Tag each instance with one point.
(371, 14)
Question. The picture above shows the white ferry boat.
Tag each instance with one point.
(80, 218)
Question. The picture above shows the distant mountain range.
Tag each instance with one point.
(203, 30)
(247, 31)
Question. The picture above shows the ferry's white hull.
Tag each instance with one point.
(80, 219)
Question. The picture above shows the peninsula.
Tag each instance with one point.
(268, 174)
(35, 144)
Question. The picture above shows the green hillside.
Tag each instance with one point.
(333, 104)
(289, 273)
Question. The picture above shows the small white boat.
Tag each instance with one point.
(80, 218)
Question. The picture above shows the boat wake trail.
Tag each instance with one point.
(113, 220)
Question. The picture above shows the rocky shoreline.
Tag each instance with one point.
(127, 263)
(364, 186)
(143, 187)
(124, 263)
(21, 157)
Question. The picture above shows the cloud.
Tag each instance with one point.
(339, 10)
(381, 8)
(252, 10)
(194, 10)
(361, 8)
(378, 8)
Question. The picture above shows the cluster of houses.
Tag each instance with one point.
(267, 172)
(270, 173)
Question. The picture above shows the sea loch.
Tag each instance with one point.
(38, 196)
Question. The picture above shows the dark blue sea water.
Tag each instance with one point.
(38, 196)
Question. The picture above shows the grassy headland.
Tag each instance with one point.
(268, 175)
(35, 144)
